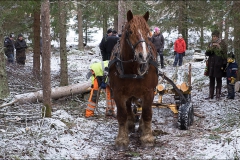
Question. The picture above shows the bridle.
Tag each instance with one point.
(143, 69)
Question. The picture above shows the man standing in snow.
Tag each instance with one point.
(9, 50)
(110, 43)
(98, 74)
(102, 45)
(20, 46)
(217, 60)
(179, 50)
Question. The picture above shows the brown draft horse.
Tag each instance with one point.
(133, 74)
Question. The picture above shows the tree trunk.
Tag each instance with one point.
(4, 90)
(80, 28)
(56, 93)
(36, 48)
(63, 48)
(236, 25)
(121, 12)
(46, 57)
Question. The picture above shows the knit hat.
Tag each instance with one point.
(215, 33)
(179, 35)
(20, 35)
(156, 29)
(109, 30)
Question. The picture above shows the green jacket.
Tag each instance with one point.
(98, 68)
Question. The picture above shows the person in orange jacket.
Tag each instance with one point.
(98, 74)
(179, 50)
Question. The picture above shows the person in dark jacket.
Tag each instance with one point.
(158, 40)
(110, 43)
(102, 45)
(217, 60)
(20, 46)
(231, 71)
(9, 48)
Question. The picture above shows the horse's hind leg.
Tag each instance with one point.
(122, 140)
(147, 139)
(130, 116)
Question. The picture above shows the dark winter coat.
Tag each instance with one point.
(9, 44)
(217, 59)
(20, 46)
(231, 70)
(110, 43)
(158, 41)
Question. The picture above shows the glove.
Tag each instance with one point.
(233, 80)
(89, 74)
(175, 53)
(183, 53)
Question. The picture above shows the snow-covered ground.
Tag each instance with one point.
(68, 135)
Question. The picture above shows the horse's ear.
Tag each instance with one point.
(146, 16)
(129, 15)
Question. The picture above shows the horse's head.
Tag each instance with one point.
(136, 34)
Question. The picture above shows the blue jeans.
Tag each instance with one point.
(178, 59)
(10, 57)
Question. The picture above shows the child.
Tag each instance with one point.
(231, 71)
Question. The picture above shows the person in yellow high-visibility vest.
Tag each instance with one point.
(98, 75)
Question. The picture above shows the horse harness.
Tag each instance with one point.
(119, 62)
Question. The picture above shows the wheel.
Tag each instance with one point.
(185, 116)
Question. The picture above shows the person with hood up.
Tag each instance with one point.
(216, 63)
(9, 48)
(20, 46)
(158, 40)
(179, 50)
(98, 73)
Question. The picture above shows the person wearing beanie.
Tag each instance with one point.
(179, 50)
(231, 71)
(158, 40)
(216, 63)
(102, 44)
(20, 46)
(9, 48)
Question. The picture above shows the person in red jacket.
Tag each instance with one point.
(179, 50)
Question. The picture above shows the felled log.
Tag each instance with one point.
(56, 93)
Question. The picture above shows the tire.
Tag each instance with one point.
(185, 116)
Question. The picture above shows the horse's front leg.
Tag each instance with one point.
(122, 140)
(147, 138)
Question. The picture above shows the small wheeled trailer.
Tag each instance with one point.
(182, 107)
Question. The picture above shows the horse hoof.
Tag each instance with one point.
(121, 148)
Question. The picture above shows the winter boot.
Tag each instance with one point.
(211, 92)
(217, 94)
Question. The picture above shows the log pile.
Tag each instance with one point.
(181, 78)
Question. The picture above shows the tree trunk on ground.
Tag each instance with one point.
(56, 93)
(36, 48)
(4, 90)
(63, 48)
(46, 58)
(80, 28)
